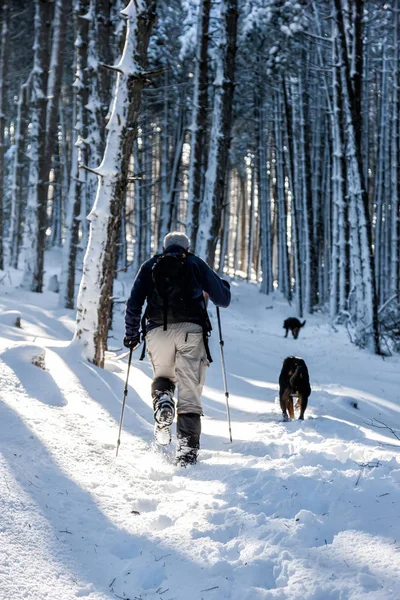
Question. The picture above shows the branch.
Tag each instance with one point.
(317, 37)
(154, 73)
(86, 168)
(124, 269)
(387, 302)
(383, 426)
(111, 68)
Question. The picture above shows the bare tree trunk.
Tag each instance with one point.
(99, 83)
(94, 298)
(367, 324)
(290, 156)
(250, 239)
(218, 155)
(283, 264)
(4, 49)
(164, 164)
(394, 272)
(381, 169)
(36, 215)
(199, 123)
(15, 234)
(173, 191)
(78, 177)
(264, 199)
(55, 76)
(338, 233)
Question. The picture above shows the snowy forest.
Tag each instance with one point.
(267, 130)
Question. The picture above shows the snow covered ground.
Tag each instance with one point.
(290, 511)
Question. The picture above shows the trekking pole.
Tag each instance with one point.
(221, 345)
(124, 400)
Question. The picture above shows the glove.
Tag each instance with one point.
(226, 283)
(131, 341)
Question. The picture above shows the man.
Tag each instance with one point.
(175, 326)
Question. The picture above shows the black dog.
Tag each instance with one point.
(294, 381)
(294, 325)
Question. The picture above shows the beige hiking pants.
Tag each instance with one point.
(179, 355)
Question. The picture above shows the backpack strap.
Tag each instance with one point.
(165, 312)
(206, 331)
(206, 345)
(144, 332)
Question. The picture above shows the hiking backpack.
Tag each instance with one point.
(170, 295)
(170, 298)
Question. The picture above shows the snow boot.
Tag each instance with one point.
(164, 409)
(164, 412)
(185, 455)
(188, 429)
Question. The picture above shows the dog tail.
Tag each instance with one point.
(302, 325)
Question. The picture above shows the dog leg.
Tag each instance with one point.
(290, 407)
(283, 399)
(287, 331)
(303, 400)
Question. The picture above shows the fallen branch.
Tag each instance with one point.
(383, 426)
(365, 466)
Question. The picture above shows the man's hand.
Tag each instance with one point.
(131, 341)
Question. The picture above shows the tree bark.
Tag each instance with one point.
(16, 217)
(78, 177)
(199, 124)
(36, 214)
(367, 317)
(55, 76)
(218, 155)
(94, 300)
(4, 49)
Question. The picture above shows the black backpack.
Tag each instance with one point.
(170, 296)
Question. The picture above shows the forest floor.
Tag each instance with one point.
(290, 511)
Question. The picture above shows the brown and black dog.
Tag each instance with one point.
(294, 325)
(293, 381)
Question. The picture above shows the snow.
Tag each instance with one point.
(302, 510)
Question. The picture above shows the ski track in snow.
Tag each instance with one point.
(302, 510)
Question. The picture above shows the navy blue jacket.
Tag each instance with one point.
(204, 280)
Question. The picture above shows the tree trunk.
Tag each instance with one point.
(16, 217)
(283, 263)
(94, 298)
(4, 49)
(367, 317)
(78, 177)
(199, 124)
(264, 199)
(36, 214)
(394, 172)
(55, 76)
(218, 155)
(290, 157)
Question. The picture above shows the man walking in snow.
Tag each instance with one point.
(176, 327)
